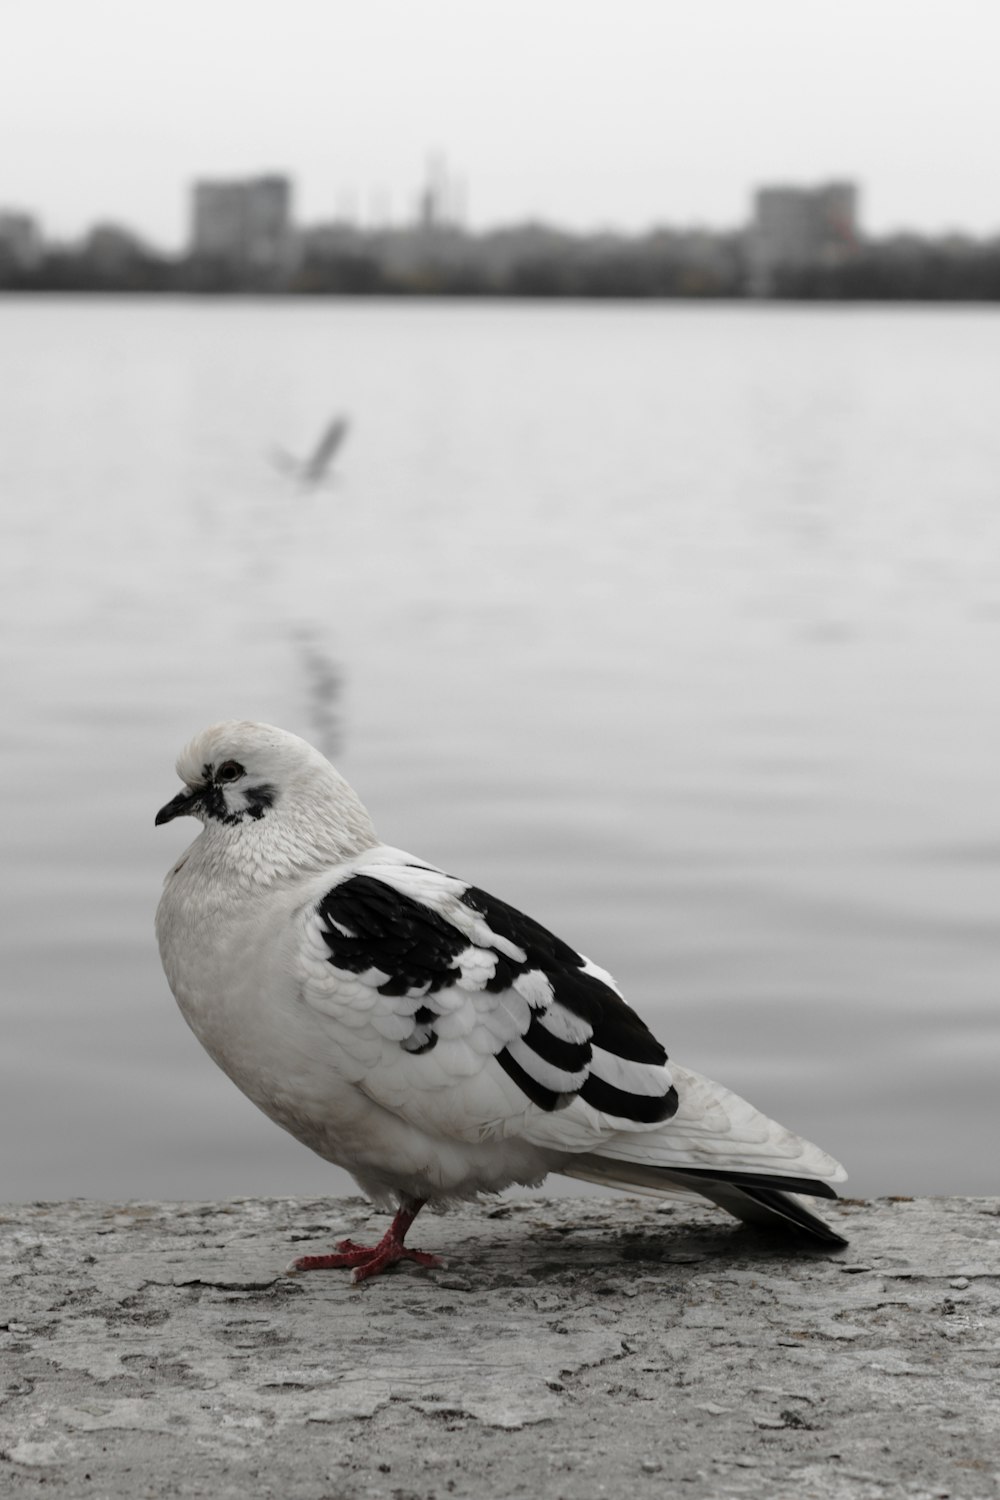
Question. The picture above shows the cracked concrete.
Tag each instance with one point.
(580, 1348)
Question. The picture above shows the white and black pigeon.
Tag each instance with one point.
(422, 1034)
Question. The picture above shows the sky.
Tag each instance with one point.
(586, 113)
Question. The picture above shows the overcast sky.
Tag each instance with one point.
(584, 112)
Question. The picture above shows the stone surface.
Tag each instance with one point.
(585, 1348)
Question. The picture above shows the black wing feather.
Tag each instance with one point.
(616, 1026)
(370, 925)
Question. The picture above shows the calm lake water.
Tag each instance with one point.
(676, 626)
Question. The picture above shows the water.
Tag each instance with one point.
(677, 626)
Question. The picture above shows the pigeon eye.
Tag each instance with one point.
(230, 770)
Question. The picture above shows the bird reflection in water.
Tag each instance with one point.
(324, 680)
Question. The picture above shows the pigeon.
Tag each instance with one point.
(432, 1040)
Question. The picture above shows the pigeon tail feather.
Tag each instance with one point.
(770, 1203)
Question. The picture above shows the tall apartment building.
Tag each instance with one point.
(801, 227)
(246, 224)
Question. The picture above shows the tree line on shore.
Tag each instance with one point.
(916, 270)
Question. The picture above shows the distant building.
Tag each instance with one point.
(797, 227)
(338, 237)
(247, 225)
(441, 203)
(20, 241)
(434, 245)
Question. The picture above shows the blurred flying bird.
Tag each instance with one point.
(432, 1040)
(312, 470)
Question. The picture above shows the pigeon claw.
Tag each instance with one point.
(365, 1260)
(371, 1260)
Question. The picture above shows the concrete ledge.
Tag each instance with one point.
(576, 1348)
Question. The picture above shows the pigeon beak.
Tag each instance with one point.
(180, 806)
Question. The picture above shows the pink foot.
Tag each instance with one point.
(371, 1260)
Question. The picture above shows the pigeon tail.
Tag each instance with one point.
(769, 1202)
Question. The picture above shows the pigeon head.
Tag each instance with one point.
(247, 781)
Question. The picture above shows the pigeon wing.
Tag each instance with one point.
(469, 1019)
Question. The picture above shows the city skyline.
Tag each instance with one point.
(586, 115)
(439, 199)
(802, 241)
